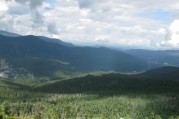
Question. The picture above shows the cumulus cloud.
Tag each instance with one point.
(174, 33)
(3, 6)
(94, 22)
(36, 16)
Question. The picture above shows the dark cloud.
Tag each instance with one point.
(35, 3)
(32, 3)
(21, 1)
(168, 35)
(36, 16)
(52, 29)
(85, 3)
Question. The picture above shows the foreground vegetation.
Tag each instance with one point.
(110, 96)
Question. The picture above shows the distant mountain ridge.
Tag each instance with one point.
(53, 40)
(28, 49)
(42, 56)
(8, 34)
(157, 58)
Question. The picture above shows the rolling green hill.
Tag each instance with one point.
(11, 91)
(167, 73)
(162, 80)
(107, 96)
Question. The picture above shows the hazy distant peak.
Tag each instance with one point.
(53, 40)
(8, 34)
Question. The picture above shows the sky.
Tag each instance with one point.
(117, 23)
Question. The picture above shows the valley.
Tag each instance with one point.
(110, 95)
(89, 59)
(42, 78)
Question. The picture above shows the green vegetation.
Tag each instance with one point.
(104, 96)
(40, 67)
(50, 79)
(43, 58)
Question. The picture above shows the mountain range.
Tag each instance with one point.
(157, 58)
(40, 76)
(39, 56)
(43, 56)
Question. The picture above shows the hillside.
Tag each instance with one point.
(5, 83)
(158, 81)
(8, 34)
(167, 72)
(34, 55)
(107, 96)
(11, 91)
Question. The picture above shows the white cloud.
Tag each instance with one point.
(107, 22)
(3, 6)
(174, 28)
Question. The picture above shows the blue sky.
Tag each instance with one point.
(160, 15)
(52, 1)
